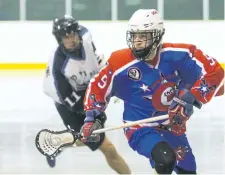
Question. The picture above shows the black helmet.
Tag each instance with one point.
(64, 26)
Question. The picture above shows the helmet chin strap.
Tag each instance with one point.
(154, 53)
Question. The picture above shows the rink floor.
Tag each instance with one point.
(25, 110)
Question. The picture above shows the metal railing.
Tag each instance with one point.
(114, 8)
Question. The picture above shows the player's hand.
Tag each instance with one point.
(87, 129)
(181, 110)
(94, 120)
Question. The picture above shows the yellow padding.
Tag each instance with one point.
(22, 66)
(30, 66)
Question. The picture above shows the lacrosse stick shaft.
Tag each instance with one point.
(148, 120)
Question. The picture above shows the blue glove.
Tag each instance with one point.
(181, 110)
(94, 120)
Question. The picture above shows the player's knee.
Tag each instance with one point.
(164, 158)
(108, 149)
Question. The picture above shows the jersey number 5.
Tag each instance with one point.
(103, 82)
(211, 60)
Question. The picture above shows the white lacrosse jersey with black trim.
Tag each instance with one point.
(67, 76)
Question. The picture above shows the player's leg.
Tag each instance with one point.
(184, 171)
(186, 161)
(151, 144)
(114, 159)
(75, 121)
(71, 122)
(164, 158)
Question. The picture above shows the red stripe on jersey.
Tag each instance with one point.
(99, 88)
(212, 82)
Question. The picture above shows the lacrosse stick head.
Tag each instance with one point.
(50, 143)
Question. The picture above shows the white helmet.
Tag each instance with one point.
(150, 23)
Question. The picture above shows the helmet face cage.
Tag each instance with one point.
(151, 38)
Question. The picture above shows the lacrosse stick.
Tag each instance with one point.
(50, 143)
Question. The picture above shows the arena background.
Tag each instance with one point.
(27, 43)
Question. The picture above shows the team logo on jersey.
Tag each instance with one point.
(180, 152)
(74, 78)
(204, 88)
(78, 83)
(96, 104)
(163, 96)
(134, 73)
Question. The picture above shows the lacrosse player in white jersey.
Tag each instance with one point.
(68, 74)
